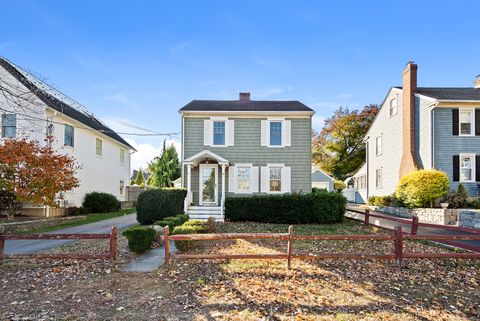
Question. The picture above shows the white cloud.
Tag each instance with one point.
(117, 97)
(147, 152)
(317, 122)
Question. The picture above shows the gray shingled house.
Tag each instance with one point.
(243, 147)
(423, 128)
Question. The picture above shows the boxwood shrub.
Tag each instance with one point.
(191, 227)
(140, 238)
(317, 207)
(98, 202)
(173, 221)
(157, 204)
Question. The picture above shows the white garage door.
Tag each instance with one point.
(320, 185)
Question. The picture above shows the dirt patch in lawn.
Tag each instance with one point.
(247, 289)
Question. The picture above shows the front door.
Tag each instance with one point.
(208, 184)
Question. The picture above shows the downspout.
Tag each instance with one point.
(432, 117)
(182, 149)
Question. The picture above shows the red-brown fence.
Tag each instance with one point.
(110, 255)
(397, 237)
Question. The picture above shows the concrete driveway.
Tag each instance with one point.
(34, 246)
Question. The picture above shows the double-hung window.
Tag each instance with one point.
(379, 145)
(275, 133)
(466, 122)
(275, 179)
(219, 133)
(9, 125)
(466, 168)
(361, 182)
(243, 179)
(393, 106)
(122, 156)
(122, 187)
(69, 136)
(98, 147)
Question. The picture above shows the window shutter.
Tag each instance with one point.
(263, 134)
(477, 168)
(264, 179)
(455, 122)
(286, 180)
(207, 132)
(230, 132)
(287, 133)
(231, 182)
(254, 179)
(477, 122)
(456, 168)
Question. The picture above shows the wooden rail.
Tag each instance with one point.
(397, 237)
(111, 255)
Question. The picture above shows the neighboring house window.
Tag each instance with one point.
(466, 122)
(393, 107)
(9, 125)
(275, 133)
(99, 147)
(122, 186)
(275, 181)
(378, 145)
(378, 178)
(219, 133)
(361, 182)
(466, 168)
(69, 135)
(122, 156)
(243, 179)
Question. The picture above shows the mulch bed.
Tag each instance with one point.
(244, 289)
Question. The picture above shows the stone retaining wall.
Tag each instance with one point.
(425, 215)
(469, 218)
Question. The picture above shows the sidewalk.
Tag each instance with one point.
(422, 230)
(149, 261)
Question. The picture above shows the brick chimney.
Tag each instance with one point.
(244, 96)
(476, 82)
(409, 162)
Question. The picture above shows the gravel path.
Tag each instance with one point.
(34, 246)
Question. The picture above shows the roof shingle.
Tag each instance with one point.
(452, 93)
(245, 105)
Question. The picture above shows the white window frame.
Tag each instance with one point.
(269, 167)
(285, 134)
(393, 106)
(269, 129)
(96, 147)
(224, 121)
(362, 183)
(377, 183)
(122, 156)
(65, 136)
(2, 127)
(379, 148)
(472, 123)
(122, 187)
(472, 157)
(250, 167)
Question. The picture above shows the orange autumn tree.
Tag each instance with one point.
(34, 173)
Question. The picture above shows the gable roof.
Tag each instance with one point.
(61, 104)
(246, 106)
(449, 93)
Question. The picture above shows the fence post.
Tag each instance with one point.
(113, 243)
(414, 225)
(2, 246)
(367, 216)
(166, 239)
(289, 247)
(398, 245)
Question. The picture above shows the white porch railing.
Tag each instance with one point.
(188, 201)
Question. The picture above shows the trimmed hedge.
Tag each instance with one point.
(173, 221)
(318, 207)
(157, 204)
(140, 238)
(98, 202)
(190, 227)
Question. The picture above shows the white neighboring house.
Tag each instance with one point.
(103, 155)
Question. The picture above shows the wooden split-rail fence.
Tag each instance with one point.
(110, 255)
(398, 237)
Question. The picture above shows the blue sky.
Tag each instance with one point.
(141, 61)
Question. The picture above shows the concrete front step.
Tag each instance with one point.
(205, 217)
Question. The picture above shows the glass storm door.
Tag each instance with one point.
(208, 184)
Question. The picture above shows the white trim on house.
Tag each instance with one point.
(198, 157)
(248, 114)
(209, 133)
(314, 169)
(233, 178)
(285, 178)
(472, 121)
(286, 132)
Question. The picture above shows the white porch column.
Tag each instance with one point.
(189, 178)
(222, 202)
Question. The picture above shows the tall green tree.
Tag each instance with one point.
(339, 148)
(165, 168)
(140, 180)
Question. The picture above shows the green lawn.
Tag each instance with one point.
(90, 218)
